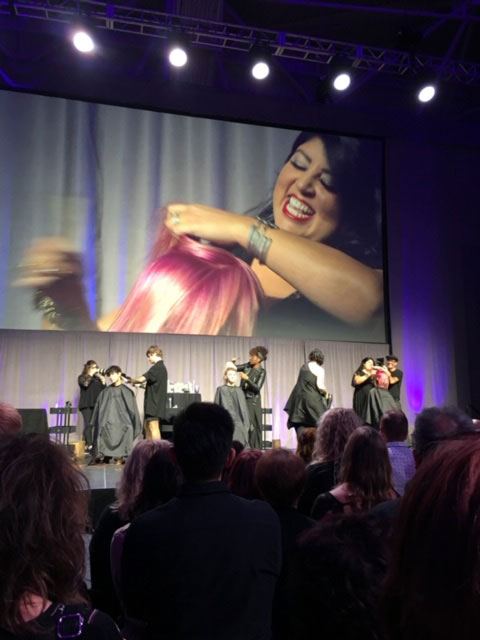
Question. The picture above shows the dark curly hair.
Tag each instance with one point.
(334, 429)
(43, 516)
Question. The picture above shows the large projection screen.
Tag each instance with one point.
(120, 219)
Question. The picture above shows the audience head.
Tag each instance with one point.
(394, 426)
(43, 515)
(280, 477)
(131, 481)
(305, 444)
(432, 586)
(335, 578)
(436, 424)
(202, 438)
(160, 479)
(316, 356)
(241, 479)
(366, 468)
(10, 420)
(334, 429)
(381, 379)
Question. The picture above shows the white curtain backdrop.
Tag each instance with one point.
(39, 369)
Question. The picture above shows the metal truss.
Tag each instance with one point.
(219, 35)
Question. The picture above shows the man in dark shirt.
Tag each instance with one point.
(395, 377)
(155, 402)
(204, 565)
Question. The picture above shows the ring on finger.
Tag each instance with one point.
(175, 217)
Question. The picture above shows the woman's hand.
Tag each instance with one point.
(208, 223)
(243, 376)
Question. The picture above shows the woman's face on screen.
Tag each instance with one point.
(304, 198)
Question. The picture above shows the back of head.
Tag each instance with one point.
(381, 379)
(241, 479)
(202, 438)
(160, 480)
(280, 477)
(394, 426)
(366, 467)
(436, 424)
(333, 431)
(10, 419)
(43, 514)
(436, 544)
(335, 579)
(316, 356)
(131, 482)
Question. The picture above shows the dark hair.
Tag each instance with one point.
(316, 356)
(259, 351)
(113, 369)
(305, 444)
(357, 187)
(241, 479)
(43, 515)
(335, 577)
(431, 589)
(154, 350)
(436, 424)
(364, 360)
(202, 438)
(391, 357)
(159, 482)
(334, 429)
(394, 425)
(366, 468)
(132, 479)
(280, 477)
(87, 366)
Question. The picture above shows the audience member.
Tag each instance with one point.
(10, 420)
(241, 479)
(204, 565)
(335, 577)
(305, 444)
(122, 511)
(280, 477)
(43, 515)
(333, 431)
(365, 476)
(431, 591)
(394, 429)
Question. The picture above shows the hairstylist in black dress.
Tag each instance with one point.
(91, 382)
(362, 382)
(252, 376)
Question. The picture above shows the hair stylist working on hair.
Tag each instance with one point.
(155, 403)
(252, 375)
(305, 241)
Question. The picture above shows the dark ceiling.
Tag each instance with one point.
(441, 37)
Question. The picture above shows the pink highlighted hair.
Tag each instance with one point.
(189, 287)
(381, 378)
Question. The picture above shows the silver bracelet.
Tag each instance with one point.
(258, 242)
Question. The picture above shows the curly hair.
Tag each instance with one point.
(306, 443)
(43, 516)
(334, 429)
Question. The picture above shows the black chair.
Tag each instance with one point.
(62, 428)
(266, 428)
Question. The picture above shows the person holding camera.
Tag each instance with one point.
(91, 382)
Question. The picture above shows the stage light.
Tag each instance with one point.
(426, 92)
(83, 41)
(260, 70)
(341, 81)
(177, 56)
(259, 62)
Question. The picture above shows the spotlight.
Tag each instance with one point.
(426, 92)
(82, 40)
(177, 51)
(260, 67)
(340, 73)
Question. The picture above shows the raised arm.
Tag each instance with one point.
(328, 277)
